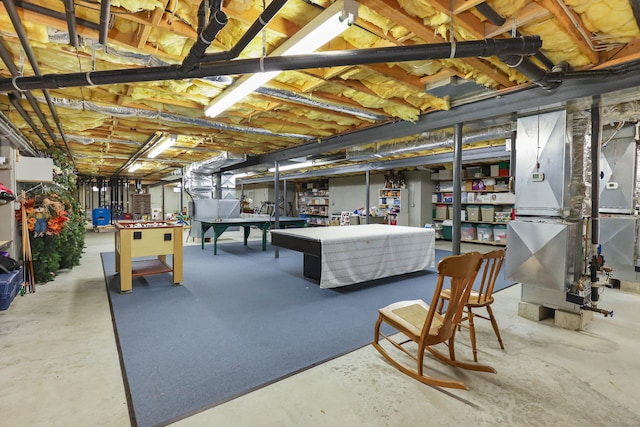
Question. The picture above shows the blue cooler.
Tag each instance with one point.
(10, 284)
(101, 216)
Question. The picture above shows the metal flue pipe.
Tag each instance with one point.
(521, 46)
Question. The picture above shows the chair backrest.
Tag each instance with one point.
(461, 271)
(492, 263)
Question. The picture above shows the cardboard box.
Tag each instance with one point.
(494, 170)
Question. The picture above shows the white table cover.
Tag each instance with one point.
(359, 253)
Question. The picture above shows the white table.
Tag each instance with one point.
(339, 256)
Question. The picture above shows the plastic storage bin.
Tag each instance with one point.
(101, 216)
(485, 233)
(441, 211)
(468, 232)
(473, 213)
(500, 234)
(10, 283)
(447, 230)
(487, 213)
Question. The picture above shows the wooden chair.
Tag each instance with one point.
(423, 325)
(483, 297)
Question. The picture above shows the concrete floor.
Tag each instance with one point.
(60, 367)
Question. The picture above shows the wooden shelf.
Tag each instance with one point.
(476, 222)
(481, 242)
(476, 203)
(148, 266)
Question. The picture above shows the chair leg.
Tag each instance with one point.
(440, 305)
(451, 360)
(472, 335)
(495, 326)
(418, 372)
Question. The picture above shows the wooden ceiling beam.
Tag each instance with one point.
(416, 26)
(529, 14)
(572, 24)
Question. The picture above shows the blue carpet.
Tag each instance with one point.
(243, 319)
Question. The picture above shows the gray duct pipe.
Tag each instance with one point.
(24, 41)
(208, 34)
(105, 12)
(259, 24)
(6, 58)
(521, 46)
(70, 12)
(13, 135)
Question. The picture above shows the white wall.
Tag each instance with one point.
(171, 200)
(264, 192)
(419, 188)
(349, 193)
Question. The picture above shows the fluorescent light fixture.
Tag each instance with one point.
(134, 167)
(165, 142)
(243, 175)
(323, 28)
(302, 165)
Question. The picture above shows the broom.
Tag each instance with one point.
(28, 283)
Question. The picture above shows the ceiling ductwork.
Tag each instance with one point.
(427, 141)
(198, 177)
(136, 112)
(9, 132)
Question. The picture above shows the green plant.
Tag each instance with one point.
(55, 222)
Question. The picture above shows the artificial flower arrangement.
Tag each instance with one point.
(45, 214)
(55, 222)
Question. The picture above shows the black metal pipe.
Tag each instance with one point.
(259, 24)
(490, 13)
(16, 104)
(595, 173)
(457, 185)
(24, 41)
(496, 19)
(105, 12)
(217, 23)
(8, 61)
(55, 14)
(70, 12)
(524, 45)
(512, 161)
(536, 74)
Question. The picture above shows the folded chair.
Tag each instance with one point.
(483, 297)
(422, 324)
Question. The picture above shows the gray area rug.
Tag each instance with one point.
(242, 319)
